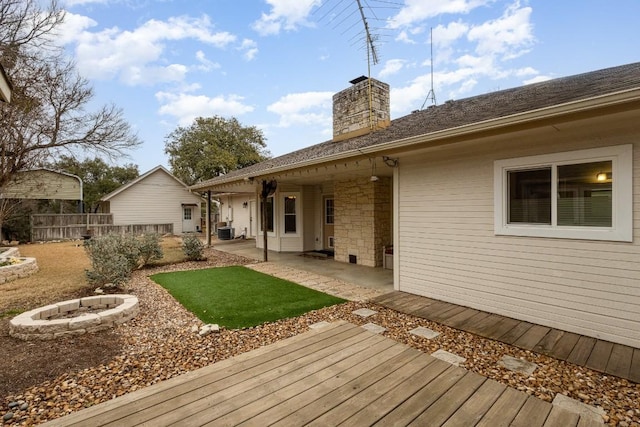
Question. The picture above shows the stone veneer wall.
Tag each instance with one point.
(351, 115)
(362, 220)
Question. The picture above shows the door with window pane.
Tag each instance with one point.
(188, 225)
(328, 219)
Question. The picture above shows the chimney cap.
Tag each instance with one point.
(358, 80)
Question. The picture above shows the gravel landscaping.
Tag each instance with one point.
(160, 343)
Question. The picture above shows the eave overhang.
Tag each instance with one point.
(603, 104)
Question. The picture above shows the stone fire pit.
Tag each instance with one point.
(74, 317)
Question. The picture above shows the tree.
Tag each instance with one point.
(212, 147)
(49, 113)
(98, 178)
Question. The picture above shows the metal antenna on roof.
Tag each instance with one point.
(431, 95)
(372, 55)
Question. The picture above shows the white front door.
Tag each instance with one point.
(187, 219)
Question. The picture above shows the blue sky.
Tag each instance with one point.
(275, 64)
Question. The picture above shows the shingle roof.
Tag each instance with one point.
(462, 112)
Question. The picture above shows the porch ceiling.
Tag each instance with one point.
(314, 175)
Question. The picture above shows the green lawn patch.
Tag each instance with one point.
(238, 297)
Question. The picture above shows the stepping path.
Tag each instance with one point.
(324, 284)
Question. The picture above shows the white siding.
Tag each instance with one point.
(156, 199)
(234, 212)
(447, 248)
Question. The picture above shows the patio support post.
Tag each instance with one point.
(268, 188)
(264, 227)
(208, 219)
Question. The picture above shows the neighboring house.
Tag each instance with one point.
(518, 202)
(5, 86)
(43, 184)
(156, 197)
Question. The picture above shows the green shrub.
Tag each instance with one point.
(193, 248)
(150, 249)
(114, 257)
(109, 261)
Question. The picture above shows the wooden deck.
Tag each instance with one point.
(339, 374)
(614, 359)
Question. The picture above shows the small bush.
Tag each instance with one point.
(109, 261)
(150, 250)
(193, 248)
(114, 257)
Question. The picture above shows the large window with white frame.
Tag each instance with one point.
(290, 214)
(585, 194)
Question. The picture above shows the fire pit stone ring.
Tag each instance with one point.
(74, 317)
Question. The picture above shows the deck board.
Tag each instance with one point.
(532, 337)
(599, 357)
(615, 359)
(620, 360)
(462, 317)
(410, 408)
(504, 410)
(499, 328)
(562, 417)
(634, 371)
(388, 401)
(473, 321)
(341, 373)
(451, 401)
(483, 326)
(245, 394)
(549, 341)
(582, 350)
(516, 332)
(477, 405)
(533, 413)
(563, 348)
(268, 404)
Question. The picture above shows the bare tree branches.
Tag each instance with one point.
(49, 114)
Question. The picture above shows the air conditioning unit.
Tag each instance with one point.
(225, 233)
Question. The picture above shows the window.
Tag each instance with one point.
(186, 214)
(269, 214)
(328, 211)
(290, 214)
(583, 194)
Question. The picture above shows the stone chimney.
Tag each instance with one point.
(360, 109)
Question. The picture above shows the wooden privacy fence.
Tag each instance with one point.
(46, 227)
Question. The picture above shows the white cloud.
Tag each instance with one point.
(467, 54)
(509, 36)
(537, 79)
(415, 11)
(285, 14)
(250, 49)
(138, 56)
(308, 108)
(73, 26)
(392, 67)
(205, 64)
(143, 76)
(71, 3)
(185, 108)
(403, 37)
(445, 36)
